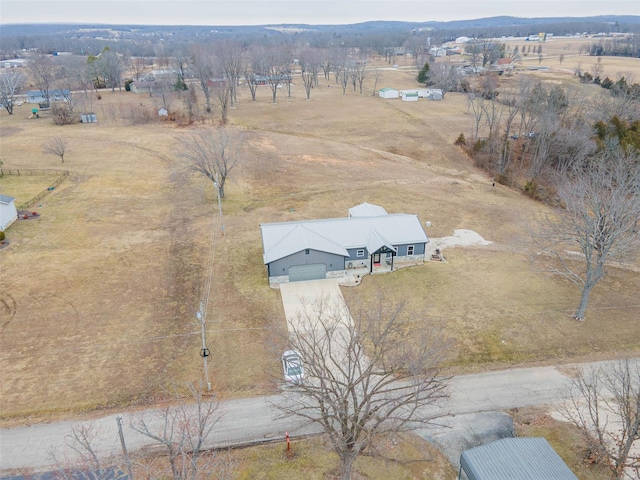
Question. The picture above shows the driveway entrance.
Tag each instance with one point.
(302, 300)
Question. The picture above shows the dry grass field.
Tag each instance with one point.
(99, 294)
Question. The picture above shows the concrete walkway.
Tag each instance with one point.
(303, 301)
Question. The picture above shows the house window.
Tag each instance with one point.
(410, 249)
(360, 253)
(306, 252)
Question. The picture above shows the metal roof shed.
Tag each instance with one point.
(514, 459)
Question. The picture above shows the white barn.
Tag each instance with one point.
(388, 93)
(8, 212)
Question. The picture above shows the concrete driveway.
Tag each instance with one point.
(305, 300)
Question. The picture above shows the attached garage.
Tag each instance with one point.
(300, 273)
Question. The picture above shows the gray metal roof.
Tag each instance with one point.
(515, 459)
(337, 234)
(6, 199)
(367, 210)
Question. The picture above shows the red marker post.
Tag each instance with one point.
(288, 442)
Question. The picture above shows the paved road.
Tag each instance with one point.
(255, 419)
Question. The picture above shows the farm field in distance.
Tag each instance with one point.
(99, 295)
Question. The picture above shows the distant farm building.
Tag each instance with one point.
(8, 212)
(388, 93)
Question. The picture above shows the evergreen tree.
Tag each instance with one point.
(422, 76)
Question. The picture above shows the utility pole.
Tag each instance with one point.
(204, 352)
(124, 448)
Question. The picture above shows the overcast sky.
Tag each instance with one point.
(260, 12)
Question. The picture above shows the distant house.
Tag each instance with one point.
(369, 240)
(220, 82)
(388, 93)
(8, 212)
(504, 64)
(438, 52)
(434, 94)
(36, 96)
(141, 87)
(514, 459)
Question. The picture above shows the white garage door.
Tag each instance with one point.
(301, 273)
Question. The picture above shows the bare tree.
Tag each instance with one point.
(203, 67)
(600, 216)
(277, 59)
(364, 377)
(309, 61)
(79, 457)
(43, 73)
(223, 93)
(212, 153)
(182, 430)
(376, 77)
(444, 76)
(483, 51)
(111, 65)
(56, 146)
(360, 73)
(10, 84)
(138, 67)
(604, 403)
(229, 56)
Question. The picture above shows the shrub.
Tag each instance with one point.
(479, 145)
(62, 114)
(2, 236)
(461, 140)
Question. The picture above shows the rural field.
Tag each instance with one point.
(99, 294)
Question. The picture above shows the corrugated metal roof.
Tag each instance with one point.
(294, 237)
(515, 459)
(337, 234)
(6, 199)
(367, 210)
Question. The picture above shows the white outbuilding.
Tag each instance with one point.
(410, 96)
(8, 212)
(388, 93)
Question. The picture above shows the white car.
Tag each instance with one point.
(292, 367)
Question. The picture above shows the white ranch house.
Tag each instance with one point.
(369, 240)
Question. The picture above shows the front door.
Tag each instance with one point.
(376, 259)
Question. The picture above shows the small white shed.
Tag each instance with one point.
(388, 93)
(163, 112)
(410, 96)
(8, 212)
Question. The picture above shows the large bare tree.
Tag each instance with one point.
(10, 84)
(443, 75)
(604, 403)
(212, 153)
(599, 216)
(365, 377)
